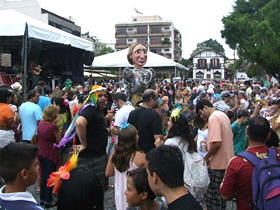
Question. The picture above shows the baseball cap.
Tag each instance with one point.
(225, 93)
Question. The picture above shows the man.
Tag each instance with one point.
(165, 171)
(124, 108)
(44, 101)
(238, 177)
(147, 121)
(220, 150)
(30, 114)
(222, 105)
(92, 134)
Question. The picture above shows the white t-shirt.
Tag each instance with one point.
(122, 114)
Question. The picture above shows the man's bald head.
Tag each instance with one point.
(149, 93)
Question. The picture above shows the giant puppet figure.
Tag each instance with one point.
(138, 79)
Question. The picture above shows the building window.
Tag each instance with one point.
(121, 41)
(201, 63)
(142, 30)
(120, 30)
(155, 40)
(166, 28)
(166, 50)
(215, 63)
(155, 29)
(130, 29)
(142, 40)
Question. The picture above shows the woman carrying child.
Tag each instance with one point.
(125, 157)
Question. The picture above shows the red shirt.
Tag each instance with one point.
(46, 138)
(238, 177)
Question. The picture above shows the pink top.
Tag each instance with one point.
(120, 186)
(219, 130)
(46, 139)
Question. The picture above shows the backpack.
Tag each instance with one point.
(196, 171)
(265, 180)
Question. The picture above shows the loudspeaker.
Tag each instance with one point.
(87, 58)
(34, 49)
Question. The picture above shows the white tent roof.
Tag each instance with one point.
(12, 23)
(119, 59)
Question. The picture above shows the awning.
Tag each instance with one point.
(13, 23)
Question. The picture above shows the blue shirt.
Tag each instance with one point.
(29, 114)
(44, 102)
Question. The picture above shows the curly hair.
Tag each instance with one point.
(125, 149)
(181, 128)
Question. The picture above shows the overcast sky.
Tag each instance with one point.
(197, 20)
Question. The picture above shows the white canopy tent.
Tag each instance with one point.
(119, 60)
(13, 23)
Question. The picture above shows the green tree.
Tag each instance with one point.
(106, 50)
(210, 43)
(253, 29)
(186, 62)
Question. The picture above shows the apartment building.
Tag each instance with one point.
(158, 35)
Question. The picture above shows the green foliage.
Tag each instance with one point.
(210, 43)
(253, 29)
(185, 62)
(106, 50)
(166, 41)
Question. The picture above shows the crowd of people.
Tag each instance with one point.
(181, 145)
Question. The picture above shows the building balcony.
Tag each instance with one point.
(121, 45)
(160, 33)
(120, 35)
(208, 66)
(215, 66)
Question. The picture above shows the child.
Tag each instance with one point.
(19, 169)
(125, 157)
(239, 131)
(202, 136)
(139, 193)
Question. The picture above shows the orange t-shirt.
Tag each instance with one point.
(219, 130)
(6, 114)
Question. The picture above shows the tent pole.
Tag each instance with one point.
(119, 73)
(24, 61)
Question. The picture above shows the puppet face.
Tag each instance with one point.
(139, 56)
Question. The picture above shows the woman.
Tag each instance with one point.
(64, 114)
(6, 118)
(48, 134)
(139, 77)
